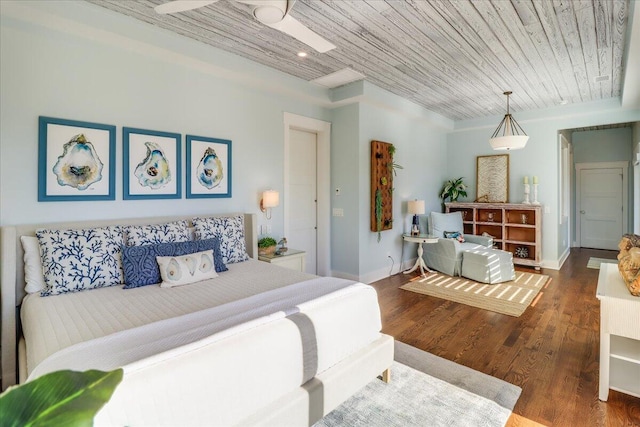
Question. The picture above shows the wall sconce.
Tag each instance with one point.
(270, 199)
(415, 208)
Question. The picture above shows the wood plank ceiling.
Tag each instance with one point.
(451, 57)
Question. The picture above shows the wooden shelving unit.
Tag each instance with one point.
(516, 228)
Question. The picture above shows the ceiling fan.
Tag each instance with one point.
(272, 13)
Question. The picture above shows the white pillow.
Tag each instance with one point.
(77, 260)
(186, 269)
(229, 230)
(177, 231)
(33, 275)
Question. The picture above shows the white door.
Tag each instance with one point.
(302, 193)
(601, 208)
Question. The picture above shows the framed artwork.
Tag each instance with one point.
(208, 167)
(492, 178)
(76, 160)
(151, 164)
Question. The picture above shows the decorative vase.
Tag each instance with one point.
(269, 250)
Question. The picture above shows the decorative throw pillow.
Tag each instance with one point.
(76, 260)
(177, 231)
(230, 231)
(141, 267)
(33, 276)
(186, 269)
(454, 235)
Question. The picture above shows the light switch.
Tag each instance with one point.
(338, 212)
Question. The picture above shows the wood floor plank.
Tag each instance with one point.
(551, 351)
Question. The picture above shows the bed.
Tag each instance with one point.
(258, 344)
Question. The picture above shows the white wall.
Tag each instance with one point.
(420, 150)
(540, 156)
(345, 172)
(97, 68)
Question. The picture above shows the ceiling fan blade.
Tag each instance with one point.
(181, 5)
(297, 30)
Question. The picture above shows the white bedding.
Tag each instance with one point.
(56, 322)
(213, 366)
(130, 348)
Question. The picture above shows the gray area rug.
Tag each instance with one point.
(427, 390)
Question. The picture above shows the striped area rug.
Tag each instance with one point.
(510, 298)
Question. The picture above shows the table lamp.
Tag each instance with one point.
(415, 208)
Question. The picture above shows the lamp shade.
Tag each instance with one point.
(415, 207)
(509, 135)
(509, 142)
(270, 199)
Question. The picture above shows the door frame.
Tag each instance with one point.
(323, 184)
(624, 165)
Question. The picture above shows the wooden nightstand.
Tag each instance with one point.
(293, 259)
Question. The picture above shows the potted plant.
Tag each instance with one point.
(66, 398)
(267, 245)
(453, 189)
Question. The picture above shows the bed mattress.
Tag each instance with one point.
(56, 322)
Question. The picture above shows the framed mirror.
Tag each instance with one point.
(492, 178)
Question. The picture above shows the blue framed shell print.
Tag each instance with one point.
(76, 160)
(208, 167)
(151, 164)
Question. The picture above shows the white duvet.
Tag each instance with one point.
(52, 323)
(131, 348)
(213, 366)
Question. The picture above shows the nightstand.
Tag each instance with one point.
(293, 259)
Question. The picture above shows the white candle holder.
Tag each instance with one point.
(526, 195)
(535, 195)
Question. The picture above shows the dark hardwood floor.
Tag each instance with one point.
(551, 351)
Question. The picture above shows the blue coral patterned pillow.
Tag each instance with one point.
(141, 267)
(177, 231)
(230, 231)
(76, 260)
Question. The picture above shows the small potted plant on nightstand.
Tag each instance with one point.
(267, 246)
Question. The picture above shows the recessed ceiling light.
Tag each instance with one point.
(563, 102)
(302, 54)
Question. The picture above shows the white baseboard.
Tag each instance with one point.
(343, 275)
(374, 276)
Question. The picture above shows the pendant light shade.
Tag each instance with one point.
(509, 135)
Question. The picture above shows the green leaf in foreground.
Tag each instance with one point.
(61, 398)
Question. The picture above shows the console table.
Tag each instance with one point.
(619, 334)
(515, 227)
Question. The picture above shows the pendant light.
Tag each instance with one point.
(509, 135)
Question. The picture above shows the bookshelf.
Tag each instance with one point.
(516, 228)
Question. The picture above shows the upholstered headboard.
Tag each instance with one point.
(12, 273)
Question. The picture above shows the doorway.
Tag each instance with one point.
(308, 228)
(601, 204)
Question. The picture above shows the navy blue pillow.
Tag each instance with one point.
(140, 265)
